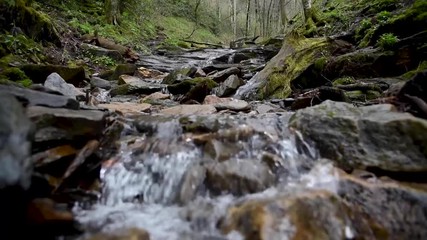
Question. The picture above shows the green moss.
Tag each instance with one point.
(343, 81)
(25, 82)
(421, 67)
(387, 41)
(383, 16)
(363, 96)
(14, 74)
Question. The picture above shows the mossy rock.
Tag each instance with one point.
(34, 23)
(187, 85)
(363, 96)
(365, 63)
(201, 90)
(409, 22)
(123, 69)
(39, 73)
(178, 75)
(14, 76)
(343, 81)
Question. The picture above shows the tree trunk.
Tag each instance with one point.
(248, 11)
(112, 11)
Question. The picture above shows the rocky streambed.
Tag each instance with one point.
(161, 150)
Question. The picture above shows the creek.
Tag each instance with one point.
(178, 183)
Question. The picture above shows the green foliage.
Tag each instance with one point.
(387, 41)
(14, 74)
(383, 16)
(365, 24)
(104, 61)
(22, 46)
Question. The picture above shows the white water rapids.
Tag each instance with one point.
(158, 178)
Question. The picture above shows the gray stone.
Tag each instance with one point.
(238, 177)
(65, 124)
(37, 98)
(233, 104)
(229, 86)
(224, 74)
(15, 145)
(55, 82)
(190, 110)
(139, 87)
(373, 136)
(101, 83)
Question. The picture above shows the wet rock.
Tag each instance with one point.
(395, 211)
(122, 69)
(313, 215)
(46, 220)
(59, 123)
(221, 150)
(199, 73)
(52, 155)
(238, 177)
(126, 79)
(154, 97)
(37, 98)
(134, 88)
(199, 91)
(224, 74)
(241, 56)
(100, 52)
(212, 99)
(373, 136)
(192, 183)
(129, 234)
(149, 73)
(15, 164)
(55, 82)
(189, 110)
(100, 83)
(229, 86)
(127, 108)
(219, 67)
(179, 75)
(15, 133)
(416, 87)
(185, 86)
(233, 105)
(38, 73)
(267, 108)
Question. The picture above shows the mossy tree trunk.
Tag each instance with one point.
(112, 11)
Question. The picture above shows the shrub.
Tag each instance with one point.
(387, 41)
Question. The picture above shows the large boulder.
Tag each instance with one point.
(356, 209)
(39, 98)
(372, 136)
(179, 75)
(55, 82)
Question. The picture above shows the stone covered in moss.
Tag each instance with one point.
(39, 73)
(33, 23)
(178, 75)
(187, 85)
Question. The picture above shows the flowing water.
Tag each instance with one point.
(157, 180)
